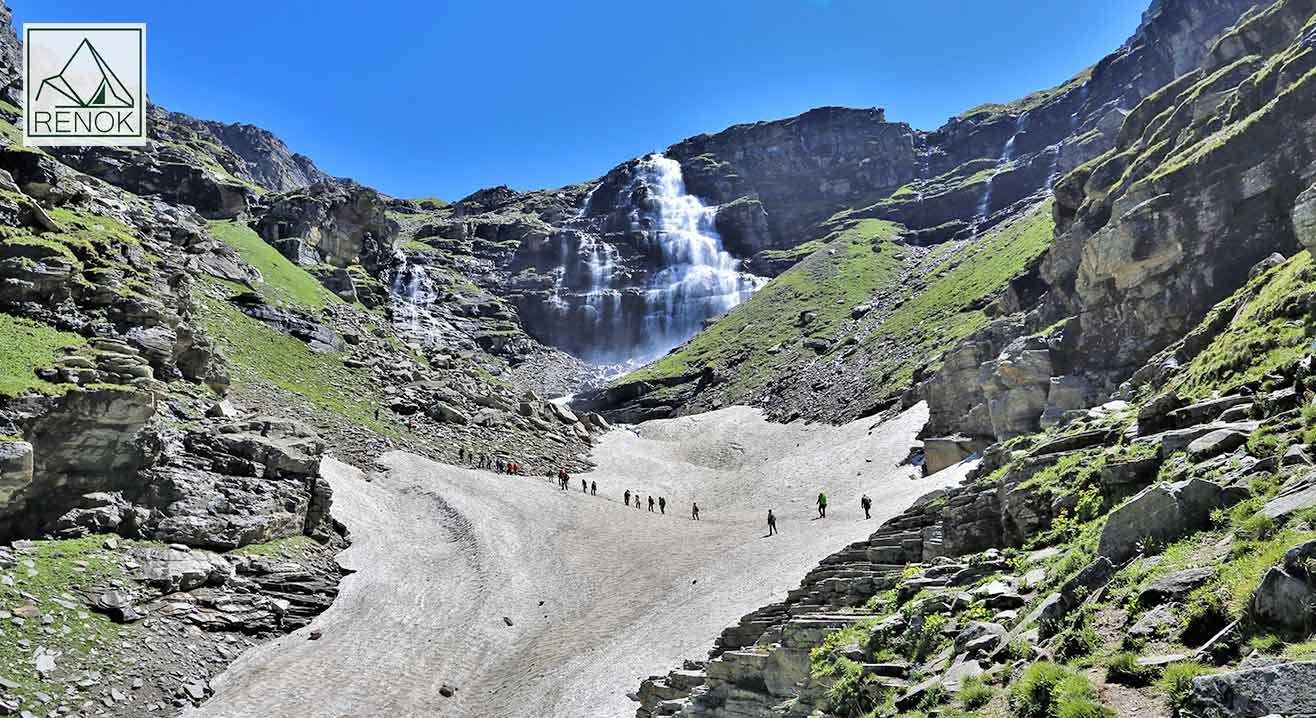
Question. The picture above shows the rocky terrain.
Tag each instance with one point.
(1133, 540)
(186, 330)
(1100, 295)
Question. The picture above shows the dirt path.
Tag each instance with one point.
(599, 595)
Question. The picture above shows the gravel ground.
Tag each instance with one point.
(531, 601)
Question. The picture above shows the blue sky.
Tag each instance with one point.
(440, 98)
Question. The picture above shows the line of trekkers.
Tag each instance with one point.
(592, 488)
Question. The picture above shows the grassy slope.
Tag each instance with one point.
(1273, 328)
(1241, 543)
(91, 640)
(285, 283)
(26, 345)
(848, 269)
(856, 261)
(950, 308)
(256, 352)
(91, 245)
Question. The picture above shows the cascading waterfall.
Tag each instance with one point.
(412, 292)
(618, 308)
(1007, 156)
(698, 278)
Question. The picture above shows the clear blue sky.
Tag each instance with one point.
(435, 97)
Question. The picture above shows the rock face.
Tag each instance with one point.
(1159, 514)
(1304, 218)
(1286, 689)
(15, 468)
(210, 166)
(1156, 231)
(334, 222)
(789, 168)
(99, 463)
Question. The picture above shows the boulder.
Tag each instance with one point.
(563, 414)
(1154, 622)
(1174, 586)
(1296, 455)
(282, 445)
(1283, 689)
(15, 468)
(1297, 493)
(1159, 513)
(445, 412)
(1304, 218)
(1215, 443)
(945, 451)
(174, 569)
(1282, 601)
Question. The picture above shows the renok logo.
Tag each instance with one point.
(85, 84)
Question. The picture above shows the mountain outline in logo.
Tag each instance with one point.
(88, 81)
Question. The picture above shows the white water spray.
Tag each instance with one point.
(698, 279)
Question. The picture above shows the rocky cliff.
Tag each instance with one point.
(188, 331)
(1138, 401)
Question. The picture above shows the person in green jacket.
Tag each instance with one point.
(822, 505)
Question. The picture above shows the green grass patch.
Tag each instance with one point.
(1050, 690)
(1177, 684)
(45, 581)
(259, 353)
(951, 306)
(858, 261)
(1271, 330)
(284, 283)
(25, 346)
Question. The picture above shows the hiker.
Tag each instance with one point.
(376, 413)
(822, 505)
(662, 505)
(500, 466)
(650, 504)
(584, 487)
(561, 474)
(866, 504)
(772, 523)
(593, 488)
(694, 511)
(626, 498)
(637, 502)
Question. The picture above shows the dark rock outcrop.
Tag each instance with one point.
(339, 223)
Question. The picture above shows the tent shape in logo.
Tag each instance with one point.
(87, 81)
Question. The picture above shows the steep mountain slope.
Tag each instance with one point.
(169, 383)
(815, 181)
(1142, 556)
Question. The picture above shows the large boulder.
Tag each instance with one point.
(1161, 514)
(1304, 218)
(283, 446)
(1285, 689)
(1285, 598)
(177, 569)
(333, 222)
(1016, 385)
(1297, 493)
(15, 468)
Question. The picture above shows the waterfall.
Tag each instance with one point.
(642, 275)
(1007, 156)
(412, 292)
(698, 279)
